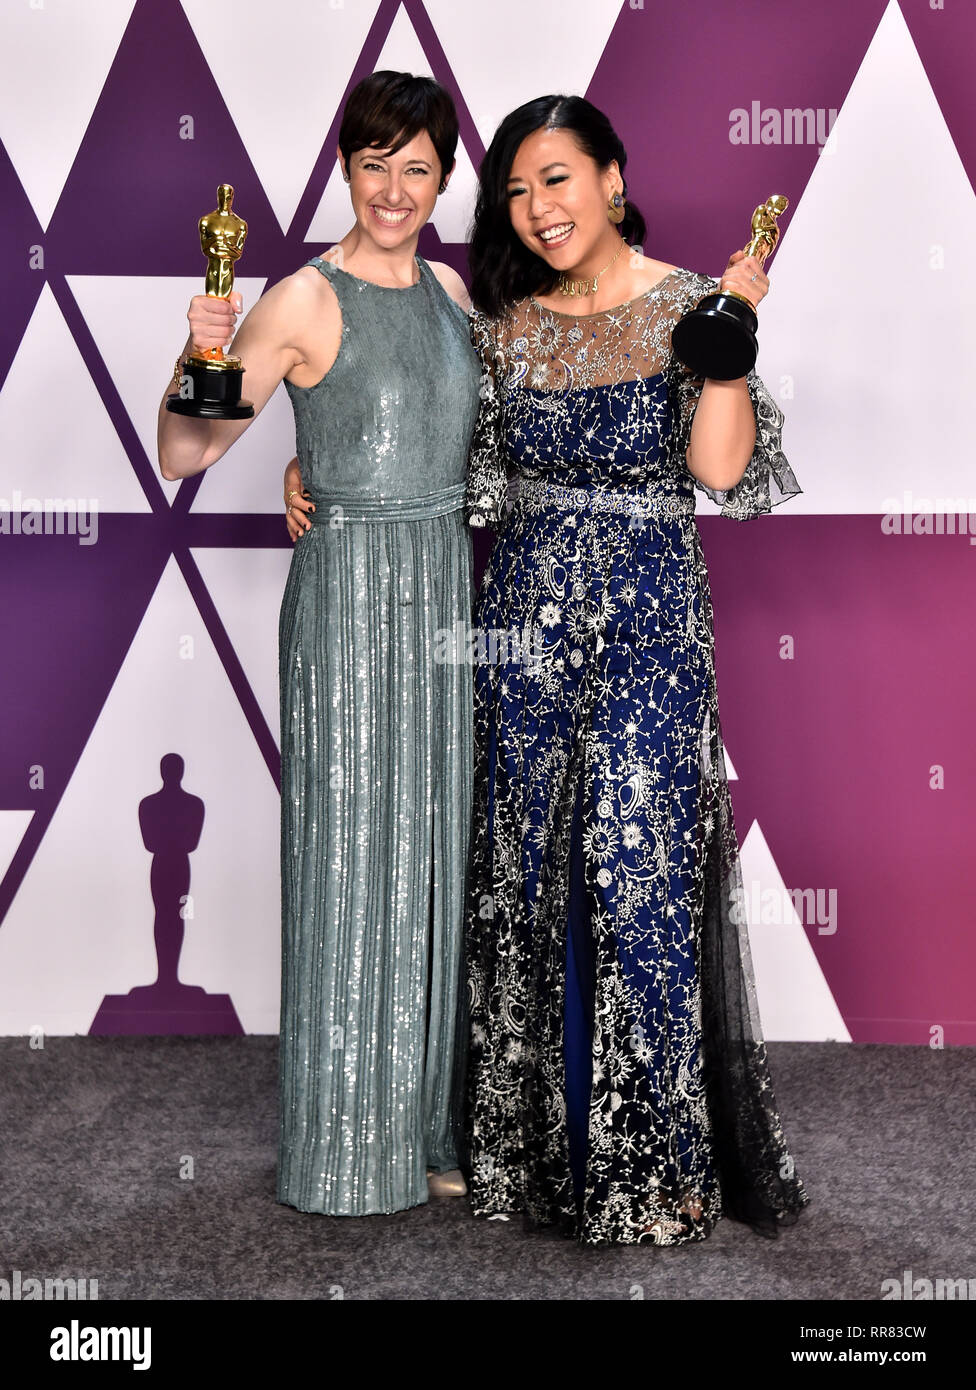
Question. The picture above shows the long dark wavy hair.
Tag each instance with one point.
(503, 269)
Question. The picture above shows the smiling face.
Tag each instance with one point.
(393, 195)
(557, 200)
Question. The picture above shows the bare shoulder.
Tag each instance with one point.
(307, 282)
(452, 282)
(298, 320)
(306, 290)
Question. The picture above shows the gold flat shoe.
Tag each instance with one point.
(450, 1184)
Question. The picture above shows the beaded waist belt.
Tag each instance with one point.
(345, 506)
(535, 493)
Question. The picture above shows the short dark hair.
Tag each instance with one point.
(387, 109)
(503, 269)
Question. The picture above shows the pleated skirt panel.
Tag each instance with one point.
(376, 770)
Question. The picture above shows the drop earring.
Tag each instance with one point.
(615, 208)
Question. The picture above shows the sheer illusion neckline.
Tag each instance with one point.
(614, 308)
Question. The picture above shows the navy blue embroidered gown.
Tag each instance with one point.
(618, 1086)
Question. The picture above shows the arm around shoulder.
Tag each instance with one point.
(451, 281)
(489, 467)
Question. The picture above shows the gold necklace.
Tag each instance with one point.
(581, 287)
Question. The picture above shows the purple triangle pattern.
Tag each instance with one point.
(832, 755)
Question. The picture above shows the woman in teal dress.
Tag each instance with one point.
(376, 733)
(373, 346)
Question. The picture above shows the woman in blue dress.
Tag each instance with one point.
(618, 1084)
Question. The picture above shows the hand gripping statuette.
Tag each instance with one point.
(718, 337)
(210, 385)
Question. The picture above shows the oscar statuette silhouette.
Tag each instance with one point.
(171, 821)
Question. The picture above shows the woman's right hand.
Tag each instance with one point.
(297, 505)
(212, 320)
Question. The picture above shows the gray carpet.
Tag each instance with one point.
(94, 1131)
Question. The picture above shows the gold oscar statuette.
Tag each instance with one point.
(210, 385)
(717, 338)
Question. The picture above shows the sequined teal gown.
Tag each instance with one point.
(376, 757)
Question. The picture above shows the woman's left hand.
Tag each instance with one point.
(297, 503)
(738, 276)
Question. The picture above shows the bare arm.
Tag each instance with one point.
(266, 345)
(723, 434)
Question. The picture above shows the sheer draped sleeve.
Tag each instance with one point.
(768, 479)
(489, 467)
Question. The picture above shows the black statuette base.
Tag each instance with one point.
(717, 338)
(215, 393)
